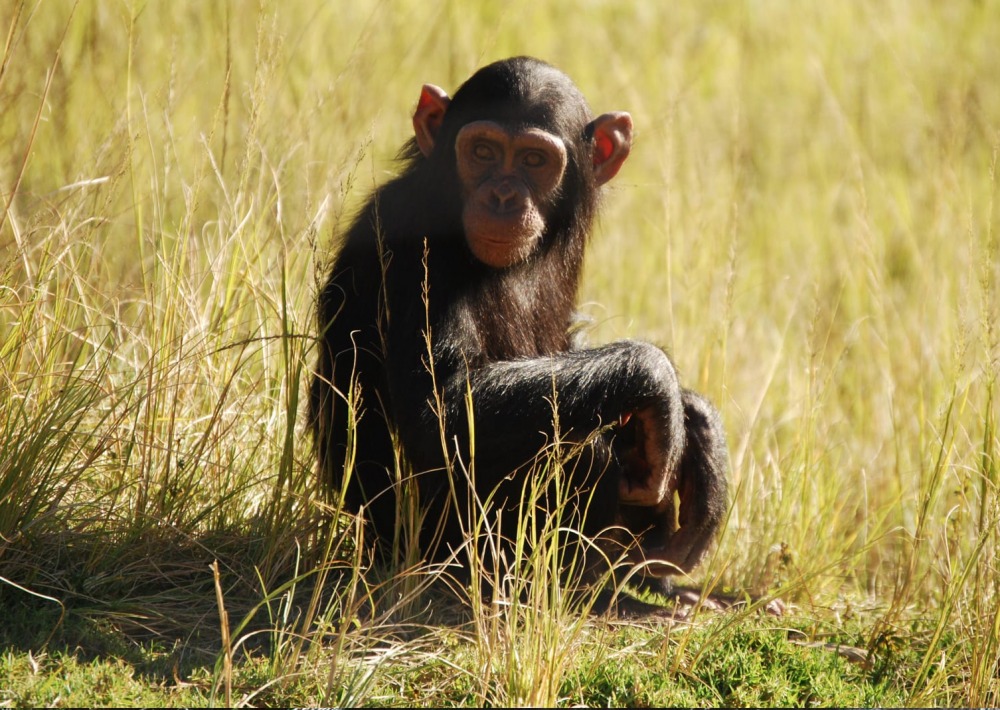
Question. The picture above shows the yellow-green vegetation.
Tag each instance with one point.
(808, 223)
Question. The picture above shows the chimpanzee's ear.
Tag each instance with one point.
(429, 115)
(612, 134)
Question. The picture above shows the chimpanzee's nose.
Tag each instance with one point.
(505, 197)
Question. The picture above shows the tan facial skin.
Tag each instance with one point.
(509, 182)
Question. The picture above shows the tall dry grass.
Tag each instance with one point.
(807, 223)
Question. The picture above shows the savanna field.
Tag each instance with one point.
(807, 223)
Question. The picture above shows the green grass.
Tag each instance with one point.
(807, 222)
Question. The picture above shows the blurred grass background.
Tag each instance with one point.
(807, 222)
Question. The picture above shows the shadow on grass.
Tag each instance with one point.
(150, 599)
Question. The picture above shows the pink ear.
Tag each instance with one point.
(428, 117)
(612, 143)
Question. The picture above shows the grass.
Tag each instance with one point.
(807, 222)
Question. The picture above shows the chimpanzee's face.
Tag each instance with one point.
(510, 180)
(521, 136)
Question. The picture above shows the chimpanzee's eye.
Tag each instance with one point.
(484, 152)
(534, 159)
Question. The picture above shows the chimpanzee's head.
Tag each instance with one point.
(527, 155)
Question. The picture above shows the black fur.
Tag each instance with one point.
(504, 333)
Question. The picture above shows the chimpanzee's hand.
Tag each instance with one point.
(649, 452)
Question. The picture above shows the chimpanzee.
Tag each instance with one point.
(446, 331)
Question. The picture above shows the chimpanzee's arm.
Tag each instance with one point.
(515, 403)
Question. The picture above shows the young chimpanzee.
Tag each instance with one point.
(445, 328)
